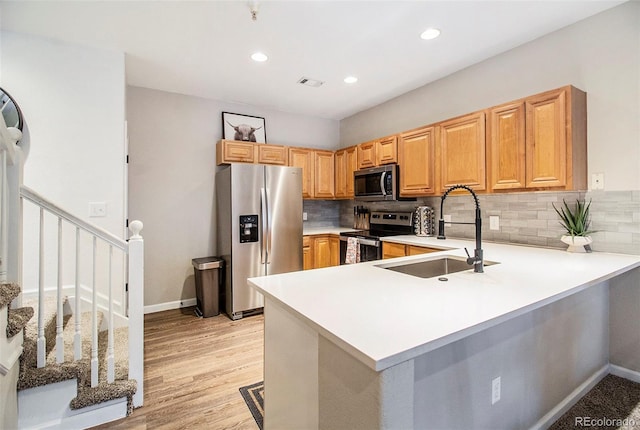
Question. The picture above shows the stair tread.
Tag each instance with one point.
(8, 292)
(17, 319)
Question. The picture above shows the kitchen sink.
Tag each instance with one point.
(433, 267)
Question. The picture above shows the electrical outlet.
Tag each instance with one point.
(447, 220)
(494, 222)
(97, 209)
(304, 216)
(495, 390)
(597, 181)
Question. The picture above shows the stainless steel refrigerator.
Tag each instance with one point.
(259, 229)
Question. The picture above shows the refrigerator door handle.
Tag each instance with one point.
(263, 225)
(268, 224)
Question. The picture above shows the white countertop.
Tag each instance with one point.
(324, 230)
(383, 317)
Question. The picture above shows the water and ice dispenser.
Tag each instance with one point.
(248, 228)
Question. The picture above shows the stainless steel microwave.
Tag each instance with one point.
(376, 183)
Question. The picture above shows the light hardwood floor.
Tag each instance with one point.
(193, 370)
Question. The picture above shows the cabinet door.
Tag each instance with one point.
(387, 150)
(324, 176)
(307, 253)
(341, 174)
(321, 252)
(416, 250)
(507, 146)
(367, 155)
(462, 152)
(300, 157)
(416, 158)
(351, 164)
(392, 250)
(334, 245)
(231, 151)
(546, 141)
(272, 154)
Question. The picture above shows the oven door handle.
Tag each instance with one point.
(361, 241)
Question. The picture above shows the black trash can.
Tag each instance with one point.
(208, 273)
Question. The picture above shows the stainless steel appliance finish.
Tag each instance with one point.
(433, 267)
(381, 224)
(259, 228)
(376, 183)
(424, 221)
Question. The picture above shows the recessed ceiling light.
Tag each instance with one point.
(430, 33)
(351, 79)
(259, 57)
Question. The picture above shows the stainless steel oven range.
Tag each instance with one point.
(380, 224)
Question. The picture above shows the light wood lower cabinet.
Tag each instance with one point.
(393, 250)
(322, 250)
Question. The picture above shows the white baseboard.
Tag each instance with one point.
(170, 305)
(566, 403)
(622, 372)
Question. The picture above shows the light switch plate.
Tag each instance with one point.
(304, 216)
(97, 209)
(494, 222)
(447, 220)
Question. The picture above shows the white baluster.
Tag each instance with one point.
(110, 359)
(59, 316)
(77, 337)
(42, 342)
(94, 326)
(136, 310)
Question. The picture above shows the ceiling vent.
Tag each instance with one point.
(310, 82)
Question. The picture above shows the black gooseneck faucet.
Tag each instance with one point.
(476, 260)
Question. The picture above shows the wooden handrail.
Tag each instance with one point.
(98, 232)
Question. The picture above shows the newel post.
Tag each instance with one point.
(136, 310)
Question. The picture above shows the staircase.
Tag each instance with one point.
(71, 337)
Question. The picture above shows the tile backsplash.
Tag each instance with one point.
(524, 218)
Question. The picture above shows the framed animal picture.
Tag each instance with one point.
(245, 128)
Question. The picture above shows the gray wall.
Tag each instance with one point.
(172, 164)
(539, 365)
(605, 63)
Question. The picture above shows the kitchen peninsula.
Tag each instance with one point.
(361, 346)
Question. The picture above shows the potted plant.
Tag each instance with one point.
(576, 222)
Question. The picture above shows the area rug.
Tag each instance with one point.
(614, 403)
(253, 396)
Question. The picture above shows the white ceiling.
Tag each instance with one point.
(202, 48)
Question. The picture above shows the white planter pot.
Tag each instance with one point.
(576, 243)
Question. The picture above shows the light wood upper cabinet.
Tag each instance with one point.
(232, 151)
(506, 131)
(539, 142)
(351, 162)
(346, 162)
(272, 154)
(301, 157)
(324, 174)
(462, 152)
(387, 150)
(367, 155)
(416, 158)
(341, 174)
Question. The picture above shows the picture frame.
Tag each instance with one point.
(246, 128)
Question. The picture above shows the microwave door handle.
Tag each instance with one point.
(382, 187)
(263, 226)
